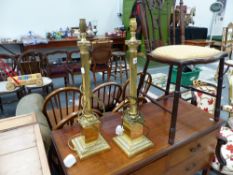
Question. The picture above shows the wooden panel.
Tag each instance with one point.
(22, 150)
(24, 162)
(17, 121)
(190, 166)
(193, 148)
(158, 167)
(17, 139)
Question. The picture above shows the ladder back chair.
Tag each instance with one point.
(101, 53)
(57, 65)
(74, 64)
(31, 62)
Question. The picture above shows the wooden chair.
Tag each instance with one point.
(57, 65)
(106, 96)
(227, 43)
(204, 98)
(61, 106)
(31, 62)
(227, 46)
(101, 53)
(73, 64)
(144, 89)
(11, 61)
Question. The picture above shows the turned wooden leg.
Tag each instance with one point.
(205, 171)
(94, 78)
(109, 74)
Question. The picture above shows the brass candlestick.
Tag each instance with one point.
(133, 141)
(90, 142)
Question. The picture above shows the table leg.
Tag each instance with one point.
(219, 90)
(1, 105)
(120, 59)
(125, 67)
(175, 106)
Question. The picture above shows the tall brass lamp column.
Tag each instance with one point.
(91, 141)
(133, 141)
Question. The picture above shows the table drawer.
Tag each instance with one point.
(158, 167)
(190, 166)
(204, 145)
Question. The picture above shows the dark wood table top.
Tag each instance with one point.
(192, 123)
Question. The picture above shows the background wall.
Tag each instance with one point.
(17, 17)
(204, 15)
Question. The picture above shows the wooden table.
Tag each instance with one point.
(22, 150)
(193, 148)
(118, 42)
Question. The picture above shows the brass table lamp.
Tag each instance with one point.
(133, 141)
(91, 141)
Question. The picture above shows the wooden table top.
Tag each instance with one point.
(22, 150)
(192, 123)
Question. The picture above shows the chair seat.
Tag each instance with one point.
(226, 151)
(184, 52)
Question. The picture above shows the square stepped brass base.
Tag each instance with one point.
(132, 147)
(85, 150)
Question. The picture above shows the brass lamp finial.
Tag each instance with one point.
(82, 25)
(133, 24)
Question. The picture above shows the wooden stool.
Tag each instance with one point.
(117, 58)
(180, 56)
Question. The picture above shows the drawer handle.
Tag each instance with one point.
(195, 148)
(189, 168)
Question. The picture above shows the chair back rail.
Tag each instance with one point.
(144, 88)
(60, 104)
(107, 93)
(101, 53)
(57, 64)
(31, 61)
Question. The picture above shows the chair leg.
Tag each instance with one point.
(1, 106)
(94, 78)
(65, 81)
(103, 76)
(72, 77)
(205, 171)
(109, 74)
(116, 65)
(126, 71)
